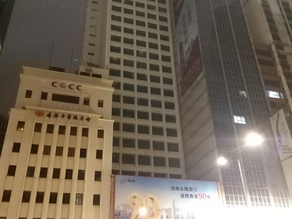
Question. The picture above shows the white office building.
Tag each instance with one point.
(56, 159)
(133, 40)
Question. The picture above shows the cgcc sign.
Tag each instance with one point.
(65, 85)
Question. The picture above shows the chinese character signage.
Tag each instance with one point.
(164, 198)
(187, 43)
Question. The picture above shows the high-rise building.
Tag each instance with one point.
(6, 8)
(270, 27)
(3, 127)
(133, 40)
(56, 159)
(222, 98)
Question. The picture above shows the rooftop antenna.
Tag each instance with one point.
(72, 51)
(51, 54)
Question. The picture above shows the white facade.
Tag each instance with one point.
(133, 39)
(56, 159)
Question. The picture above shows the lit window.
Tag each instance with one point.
(20, 126)
(100, 103)
(239, 119)
(275, 94)
(242, 93)
(79, 199)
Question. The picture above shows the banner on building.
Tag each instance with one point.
(282, 134)
(187, 44)
(165, 198)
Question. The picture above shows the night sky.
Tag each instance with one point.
(34, 27)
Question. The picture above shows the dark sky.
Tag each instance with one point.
(34, 27)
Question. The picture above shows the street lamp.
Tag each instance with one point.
(251, 140)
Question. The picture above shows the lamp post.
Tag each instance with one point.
(252, 140)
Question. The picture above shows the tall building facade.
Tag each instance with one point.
(271, 34)
(222, 98)
(133, 40)
(56, 159)
(6, 8)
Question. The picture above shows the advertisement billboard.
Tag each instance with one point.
(187, 44)
(157, 198)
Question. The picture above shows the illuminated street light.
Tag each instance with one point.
(222, 161)
(253, 139)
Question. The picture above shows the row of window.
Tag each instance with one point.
(140, 14)
(143, 102)
(64, 98)
(145, 144)
(61, 129)
(149, 174)
(144, 89)
(146, 160)
(59, 150)
(26, 197)
(140, 53)
(144, 129)
(142, 115)
(139, 5)
(140, 76)
(56, 173)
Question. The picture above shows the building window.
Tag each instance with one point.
(26, 196)
(38, 127)
(53, 197)
(171, 132)
(28, 93)
(59, 151)
(62, 130)
(128, 142)
(11, 170)
(6, 195)
(159, 161)
(242, 93)
(157, 130)
(275, 94)
(174, 162)
(68, 174)
(66, 198)
(156, 116)
(20, 126)
(144, 160)
(128, 127)
(97, 176)
(44, 96)
(85, 132)
(65, 98)
(158, 145)
(239, 119)
(143, 144)
(50, 128)
(96, 199)
(71, 152)
(56, 173)
(43, 172)
(173, 147)
(100, 103)
(98, 154)
(143, 115)
(30, 172)
(81, 174)
(128, 159)
(116, 158)
(86, 101)
(47, 150)
(100, 133)
(34, 149)
(82, 153)
(16, 147)
(79, 199)
(160, 175)
(39, 197)
(73, 131)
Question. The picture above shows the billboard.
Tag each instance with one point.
(187, 44)
(282, 134)
(164, 198)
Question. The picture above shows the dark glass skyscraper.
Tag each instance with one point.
(222, 98)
